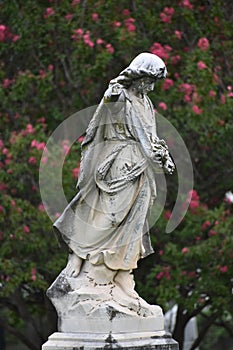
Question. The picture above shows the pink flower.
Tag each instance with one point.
(161, 252)
(57, 215)
(186, 88)
(168, 83)
(129, 23)
(197, 110)
(30, 129)
(6, 83)
(186, 3)
(32, 160)
(175, 59)
(116, 24)
(109, 48)
(205, 225)
(75, 2)
(44, 160)
(95, 17)
(5, 150)
(193, 195)
(87, 40)
(223, 269)
(178, 34)
(203, 44)
(33, 274)
(223, 99)
(126, 12)
(1, 144)
(26, 229)
(68, 16)
(49, 12)
(3, 32)
(100, 41)
(75, 172)
(194, 204)
(162, 105)
(167, 214)
(161, 51)
(201, 65)
(185, 250)
(15, 38)
(50, 67)
(159, 275)
(212, 233)
(41, 207)
(212, 93)
(169, 11)
(81, 138)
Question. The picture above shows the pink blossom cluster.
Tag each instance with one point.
(162, 105)
(164, 273)
(76, 171)
(223, 269)
(79, 33)
(95, 16)
(166, 15)
(203, 44)
(49, 12)
(108, 46)
(201, 65)
(75, 2)
(33, 273)
(186, 3)
(160, 50)
(194, 199)
(168, 83)
(7, 83)
(38, 145)
(29, 130)
(66, 146)
(129, 24)
(5, 34)
(178, 34)
(190, 95)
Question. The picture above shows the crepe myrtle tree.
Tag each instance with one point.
(192, 268)
(55, 59)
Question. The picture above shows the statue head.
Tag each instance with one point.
(145, 65)
(142, 72)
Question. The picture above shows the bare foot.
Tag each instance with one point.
(125, 280)
(74, 264)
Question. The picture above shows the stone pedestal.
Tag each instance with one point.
(99, 309)
(91, 341)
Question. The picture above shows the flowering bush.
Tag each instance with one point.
(58, 57)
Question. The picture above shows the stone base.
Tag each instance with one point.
(130, 341)
(85, 305)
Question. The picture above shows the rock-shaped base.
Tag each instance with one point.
(130, 341)
(103, 304)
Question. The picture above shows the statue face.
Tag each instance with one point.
(144, 85)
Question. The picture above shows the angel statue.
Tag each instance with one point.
(106, 224)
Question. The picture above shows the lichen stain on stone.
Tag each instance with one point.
(112, 313)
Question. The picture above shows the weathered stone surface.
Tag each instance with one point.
(86, 306)
(129, 341)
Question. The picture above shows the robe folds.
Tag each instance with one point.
(107, 220)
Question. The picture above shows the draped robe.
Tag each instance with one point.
(107, 220)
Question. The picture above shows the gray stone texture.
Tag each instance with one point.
(129, 341)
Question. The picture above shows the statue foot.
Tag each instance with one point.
(73, 266)
(125, 280)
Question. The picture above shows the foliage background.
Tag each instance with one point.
(57, 57)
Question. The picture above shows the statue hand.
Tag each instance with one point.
(169, 166)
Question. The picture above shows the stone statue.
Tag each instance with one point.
(105, 225)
